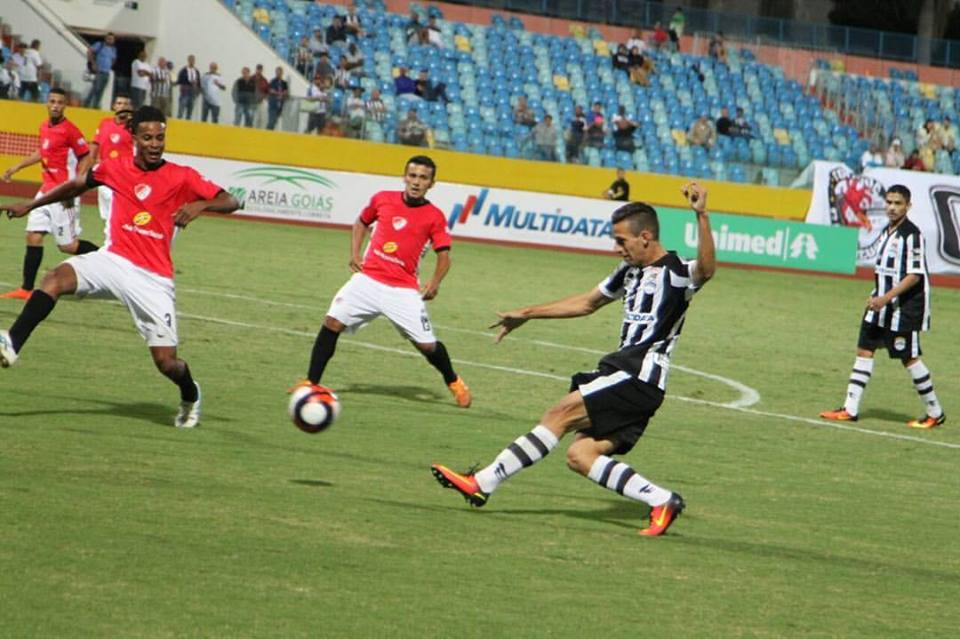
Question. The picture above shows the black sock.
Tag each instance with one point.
(86, 247)
(188, 388)
(323, 349)
(34, 311)
(441, 362)
(31, 264)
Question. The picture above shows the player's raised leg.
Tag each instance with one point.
(60, 281)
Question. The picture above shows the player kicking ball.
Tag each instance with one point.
(151, 197)
(609, 408)
(385, 278)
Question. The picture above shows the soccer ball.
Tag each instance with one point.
(313, 408)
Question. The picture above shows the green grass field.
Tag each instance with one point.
(114, 524)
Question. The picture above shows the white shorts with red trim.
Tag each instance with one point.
(362, 299)
(150, 298)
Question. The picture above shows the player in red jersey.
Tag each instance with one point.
(59, 138)
(385, 278)
(151, 197)
(112, 140)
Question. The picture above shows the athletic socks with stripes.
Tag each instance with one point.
(924, 385)
(525, 451)
(859, 376)
(620, 478)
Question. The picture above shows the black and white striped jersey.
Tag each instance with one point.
(655, 300)
(902, 252)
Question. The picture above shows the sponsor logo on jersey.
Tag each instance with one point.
(142, 191)
(142, 218)
(114, 153)
(390, 247)
(399, 223)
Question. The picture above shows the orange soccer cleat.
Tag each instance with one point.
(662, 516)
(16, 294)
(461, 392)
(839, 415)
(466, 484)
(926, 422)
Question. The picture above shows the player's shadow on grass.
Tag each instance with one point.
(415, 393)
(152, 412)
(887, 415)
(620, 513)
(314, 483)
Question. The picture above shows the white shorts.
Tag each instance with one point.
(150, 298)
(362, 299)
(62, 223)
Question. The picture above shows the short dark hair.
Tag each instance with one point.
(641, 216)
(58, 91)
(902, 190)
(121, 94)
(422, 160)
(145, 114)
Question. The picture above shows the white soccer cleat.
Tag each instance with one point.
(8, 356)
(189, 414)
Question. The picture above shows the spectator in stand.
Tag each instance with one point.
(316, 44)
(619, 191)
(523, 114)
(640, 68)
(675, 29)
(637, 42)
(914, 163)
(575, 134)
(352, 23)
(211, 85)
(412, 131)
(318, 93)
(324, 69)
(343, 77)
(427, 90)
(871, 158)
(260, 15)
(412, 29)
(894, 158)
(621, 58)
(403, 84)
(6, 77)
(741, 126)
(660, 37)
(927, 136)
(375, 110)
(161, 84)
(101, 58)
(277, 98)
(303, 57)
(596, 123)
(623, 128)
(948, 134)
(337, 31)
(702, 133)
(244, 95)
(263, 92)
(189, 82)
(30, 72)
(718, 48)
(354, 59)
(140, 73)
(545, 140)
(356, 113)
(725, 125)
(434, 36)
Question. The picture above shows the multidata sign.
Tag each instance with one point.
(842, 198)
(337, 197)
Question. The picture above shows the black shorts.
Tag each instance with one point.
(899, 344)
(618, 404)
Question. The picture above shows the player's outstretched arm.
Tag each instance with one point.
(575, 306)
(66, 191)
(706, 264)
(30, 160)
(439, 272)
(222, 203)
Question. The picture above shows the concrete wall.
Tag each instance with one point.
(109, 15)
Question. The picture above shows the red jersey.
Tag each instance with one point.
(144, 203)
(115, 140)
(398, 241)
(56, 143)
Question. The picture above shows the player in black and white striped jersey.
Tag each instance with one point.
(897, 311)
(609, 408)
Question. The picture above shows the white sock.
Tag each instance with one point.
(620, 478)
(924, 385)
(524, 451)
(859, 377)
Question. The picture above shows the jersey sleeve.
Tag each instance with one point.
(682, 277)
(199, 187)
(100, 175)
(78, 144)
(916, 250)
(612, 285)
(439, 236)
(371, 212)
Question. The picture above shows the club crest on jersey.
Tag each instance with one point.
(114, 137)
(142, 218)
(390, 247)
(399, 223)
(46, 144)
(899, 343)
(649, 286)
(142, 191)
